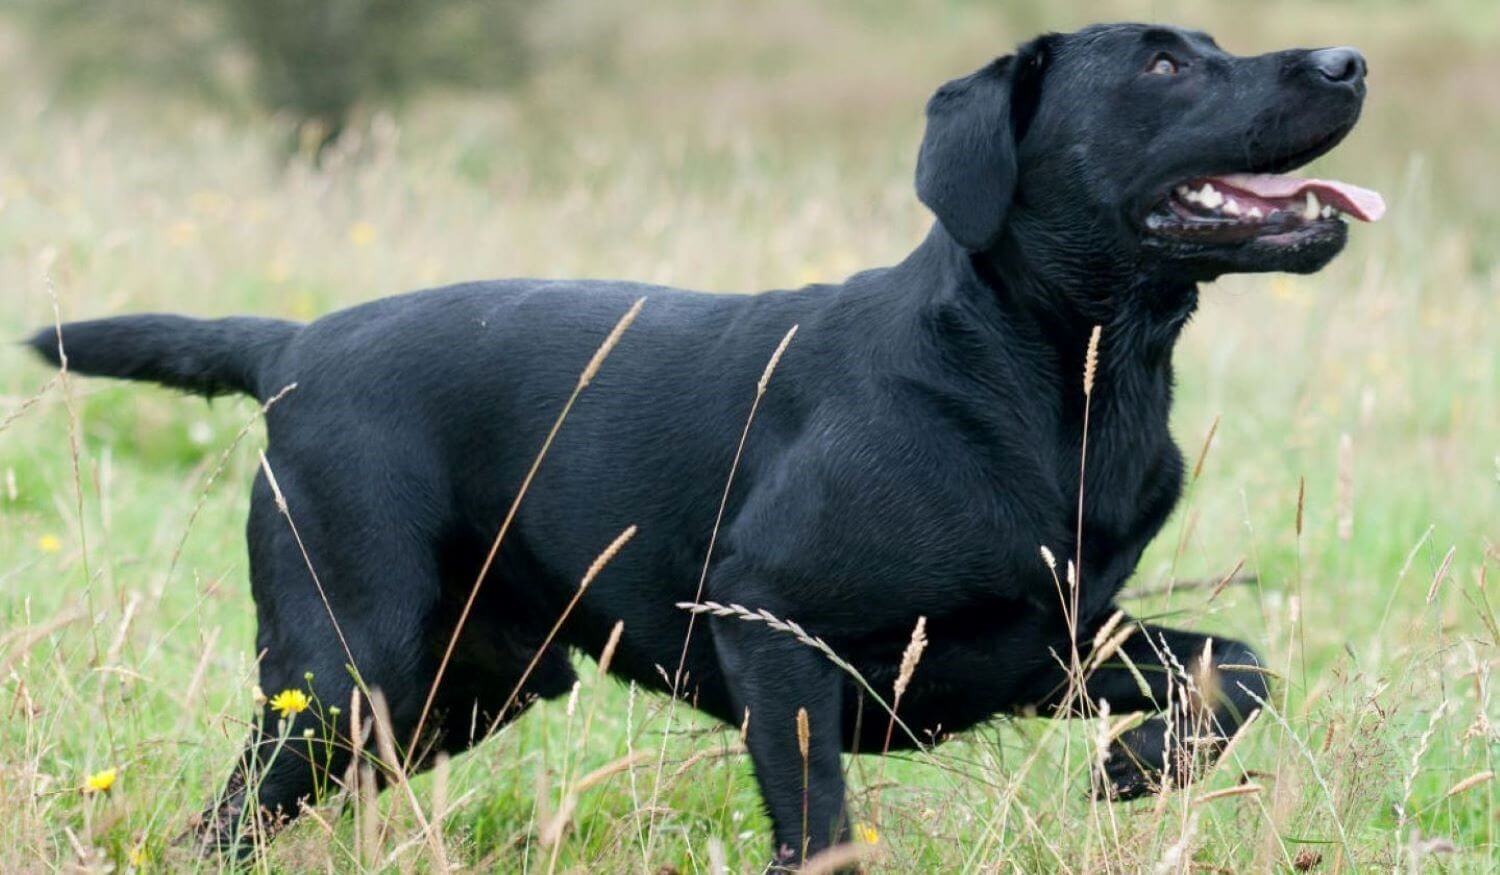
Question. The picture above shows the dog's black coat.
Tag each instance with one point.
(917, 445)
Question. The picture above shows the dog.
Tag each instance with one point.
(916, 452)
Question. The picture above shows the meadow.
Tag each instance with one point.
(1345, 429)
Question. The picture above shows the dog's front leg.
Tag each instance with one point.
(1203, 688)
(772, 676)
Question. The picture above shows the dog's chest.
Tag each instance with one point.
(1127, 479)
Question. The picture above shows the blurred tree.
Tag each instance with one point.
(315, 59)
(88, 46)
(319, 60)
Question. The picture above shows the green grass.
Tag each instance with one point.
(732, 150)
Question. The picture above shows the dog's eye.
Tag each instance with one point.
(1163, 65)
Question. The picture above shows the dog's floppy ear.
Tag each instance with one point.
(966, 170)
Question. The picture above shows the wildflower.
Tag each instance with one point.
(100, 782)
(866, 833)
(49, 543)
(180, 234)
(289, 702)
(361, 234)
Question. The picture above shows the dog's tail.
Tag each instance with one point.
(206, 356)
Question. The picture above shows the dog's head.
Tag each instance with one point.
(1149, 147)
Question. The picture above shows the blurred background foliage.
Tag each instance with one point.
(314, 61)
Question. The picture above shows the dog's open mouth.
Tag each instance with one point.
(1239, 206)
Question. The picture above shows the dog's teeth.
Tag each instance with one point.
(1256, 214)
(1329, 212)
(1312, 208)
(1183, 191)
(1210, 196)
(1231, 206)
(1190, 196)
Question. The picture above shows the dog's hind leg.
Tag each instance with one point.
(1200, 689)
(353, 611)
(488, 673)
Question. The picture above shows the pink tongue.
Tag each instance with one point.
(1361, 203)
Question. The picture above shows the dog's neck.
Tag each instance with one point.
(983, 306)
(1140, 318)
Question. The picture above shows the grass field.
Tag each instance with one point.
(736, 147)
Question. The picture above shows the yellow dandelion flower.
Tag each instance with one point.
(289, 702)
(184, 233)
(138, 856)
(361, 234)
(866, 833)
(100, 782)
(49, 543)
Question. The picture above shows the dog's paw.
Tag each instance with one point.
(1146, 759)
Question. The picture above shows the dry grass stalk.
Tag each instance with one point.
(1109, 648)
(1227, 754)
(718, 861)
(354, 783)
(1091, 361)
(385, 743)
(910, 657)
(1178, 856)
(607, 655)
(74, 454)
(589, 372)
(792, 628)
(1470, 783)
(1229, 792)
(728, 750)
(1301, 504)
(610, 341)
(1208, 442)
(1102, 633)
(734, 466)
(281, 505)
(214, 474)
(195, 682)
(112, 655)
(840, 858)
(30, 402)
(1123, 725)
(588, 577)
(1050, 559)
(713, 538)
(441, 766)
(1253, 669)
(1442, 573)
(1344, 497)
(555, 825)
(552, 830)
(1225, 581)
(15, 643)
(368, 816)
(804, 738)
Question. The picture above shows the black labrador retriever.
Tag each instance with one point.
(916, 448)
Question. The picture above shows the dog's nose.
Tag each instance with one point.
(1343, 64)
